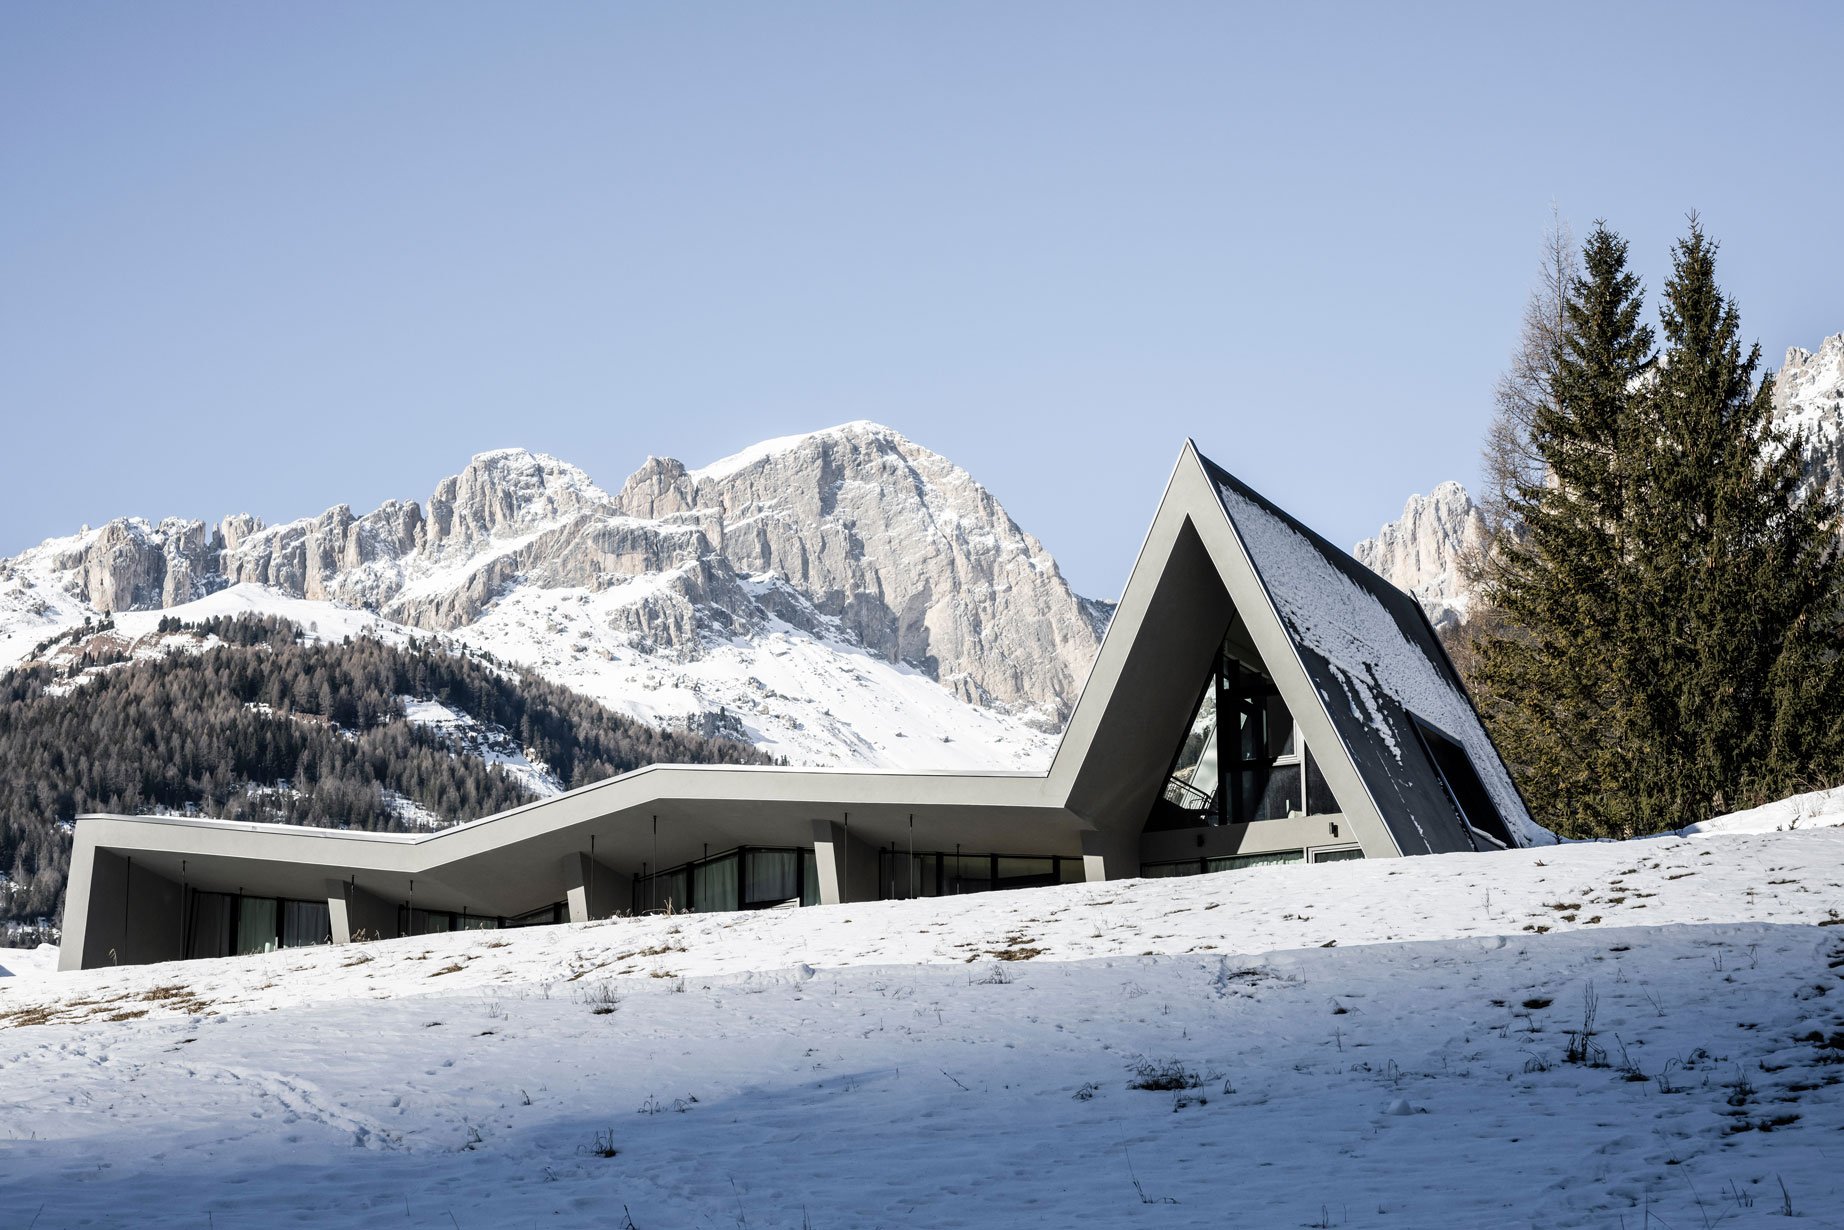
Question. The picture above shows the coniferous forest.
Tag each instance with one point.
(261, 723)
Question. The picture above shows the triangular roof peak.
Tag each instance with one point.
(1371, 690)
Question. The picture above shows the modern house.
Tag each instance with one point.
(1260, 698)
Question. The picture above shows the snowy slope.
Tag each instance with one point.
(815, 699)
(1380, 1044)
(34, 962)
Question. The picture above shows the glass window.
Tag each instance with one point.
(1193, 782)
(255, 925)
(1237, 862)
(1019, 872)
(1319, 800)
(212, 915)
(474, 922)
(1267, 792)
(928, 875)
(772, 875)
(1337, 856)
(305, 923)
(966, 873)
(714, 885)
(1238, 758)
(1461, 782)
(810, 878)
(1166, 871)
(1070, 871)
(543, 916)
(660, 892)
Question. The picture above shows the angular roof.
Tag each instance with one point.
(1373, 659)
(1352, 656)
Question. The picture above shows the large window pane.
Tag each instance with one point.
(966, 873)
(1337, 856)
(1016, 872)
(256, 925)
(305, 923)
(1166, 871)
(1319, 800)
(212, 916)
(1280, 793)
(1462, 783)
(1196, 766)
(714, 885)
(660, 892)
(773, 875)
(810, 878)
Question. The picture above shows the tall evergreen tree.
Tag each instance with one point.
(1551, 682)
(1667, 612)
(1739, 556)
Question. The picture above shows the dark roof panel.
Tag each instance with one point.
(1371, 655)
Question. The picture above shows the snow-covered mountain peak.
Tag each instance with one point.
(1423, 550)
(859, 430)
(1809, 398)
(840, 597)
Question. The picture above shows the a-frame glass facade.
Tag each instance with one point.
(1240, 759)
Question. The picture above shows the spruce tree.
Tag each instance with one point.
(1665, 612)
(1738, 555)
(1551, 679)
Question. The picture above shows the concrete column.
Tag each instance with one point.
(594, 889)
(845, 875)
(1110, 856)
(131, 916)
(359, 915)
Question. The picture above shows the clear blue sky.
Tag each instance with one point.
(268, 258)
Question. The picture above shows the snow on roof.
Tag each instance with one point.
(1326, 609)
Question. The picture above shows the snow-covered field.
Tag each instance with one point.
(28, 962)
(1382, 1044)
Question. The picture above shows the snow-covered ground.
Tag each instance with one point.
(28, 962)
(1381, 1044)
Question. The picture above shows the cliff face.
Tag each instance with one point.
(1422, 551)
(1809, 398)
(855, 535)
(896, 545)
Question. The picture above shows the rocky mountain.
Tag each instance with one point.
(845, 596)
(1421, 551)
(1809, 398)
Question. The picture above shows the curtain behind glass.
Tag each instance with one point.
(255, 925)
(714, 885)
(304, 923)
(810, 882)
(211, 925)
(774, 875)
